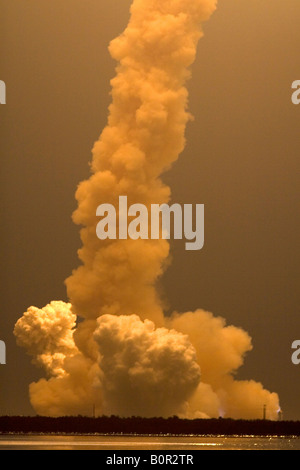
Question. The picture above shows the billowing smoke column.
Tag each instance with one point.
(156, 367)
(124, 357)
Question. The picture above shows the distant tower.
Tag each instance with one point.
(264, 412)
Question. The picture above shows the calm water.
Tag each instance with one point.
(57, 442)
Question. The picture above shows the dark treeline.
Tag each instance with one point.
(115, 425)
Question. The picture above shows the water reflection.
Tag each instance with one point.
(59, 442)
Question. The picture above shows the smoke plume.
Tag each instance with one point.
(124, 356)
(153, 366)
(47, 334)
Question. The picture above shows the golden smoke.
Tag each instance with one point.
(125, 357)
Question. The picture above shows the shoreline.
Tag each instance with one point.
(145, 427)
(204, 436)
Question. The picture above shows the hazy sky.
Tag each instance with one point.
(241, 161)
